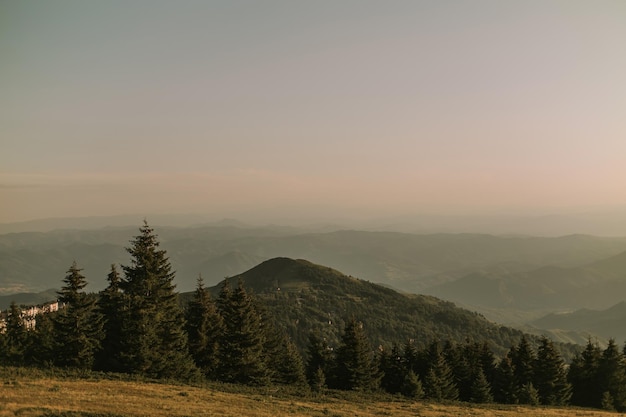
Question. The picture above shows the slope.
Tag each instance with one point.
(606, 324)
(303, 297)
(595, 285)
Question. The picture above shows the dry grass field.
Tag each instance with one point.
(30, 396)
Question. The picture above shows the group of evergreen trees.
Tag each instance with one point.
(136, 325)
(470, 372)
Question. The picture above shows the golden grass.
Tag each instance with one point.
(29, 397)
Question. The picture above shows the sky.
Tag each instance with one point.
(297, 109)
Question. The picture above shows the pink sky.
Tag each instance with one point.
(356, 107)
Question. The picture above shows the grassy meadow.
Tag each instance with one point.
(30, 394)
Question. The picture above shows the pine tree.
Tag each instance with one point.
(528, 394)
(439, 382)
(204, 327)
(317, 381)
(354, 367)
(612, 375)
(550, 375)
(241, 349)
(523, 361)
(504, 386)
(412, 386)
(288, 368)
(15, 337)
(461, 361)
(320, 362)
(393, 369)
(583, 375)
(78, 326)
(112, 307)
(411, 358)
(607, 402)
(154, 341)
(43, 340)
(480, 389)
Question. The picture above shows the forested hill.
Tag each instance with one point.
(305, 297)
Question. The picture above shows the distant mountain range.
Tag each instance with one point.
(28, 299)
(595, 285)
(609, 323)
(409, 262)
(599, 222)
(513, 280)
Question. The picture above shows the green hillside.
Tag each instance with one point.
(305, 297)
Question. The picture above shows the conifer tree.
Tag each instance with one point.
(43, 340)
(393, 370)
(480, 389)
(412, 386)
(288, 368)
(77, 326)
(504, 386)
(439, 382)
(112, 307)
(612, 376)
(241, 348)
(523, 361)
(14, 337)
(319, 364)
(154, 341)
(583, 375)
(354, 367)
(204, 327)
(528, 394)
(487, 361)
(411, 358)
(550, 375)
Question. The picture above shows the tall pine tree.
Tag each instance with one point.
(112, 307)
(550, 375)
(14, 338)
(612, 377)
(77, 326)
(154, 341)
(439, 381)
(505, 389)
(354, 368)
(583, 374)
(241, 348)
(204, 327)
(319, 365)
(523, 360)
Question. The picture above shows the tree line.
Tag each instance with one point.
(136, 325)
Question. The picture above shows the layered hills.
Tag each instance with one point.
(409, 262)
(513, 280)
(597, 284)
(606, 324)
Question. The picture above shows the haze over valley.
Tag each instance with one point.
(425, 171)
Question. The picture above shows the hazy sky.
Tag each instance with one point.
(365, 108)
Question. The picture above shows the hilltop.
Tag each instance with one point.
(304, 297)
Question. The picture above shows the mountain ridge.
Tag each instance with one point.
(305, 297)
